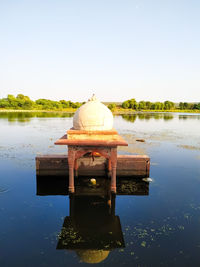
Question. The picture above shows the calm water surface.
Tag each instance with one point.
(158, 225)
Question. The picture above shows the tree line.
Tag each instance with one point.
(24, 102)
(166, 105)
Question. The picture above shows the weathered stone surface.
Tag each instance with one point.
(93, 116)
(127, 165)
(109, 140)
(110, 135)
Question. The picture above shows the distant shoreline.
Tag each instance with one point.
(22, 103)
(115, 112)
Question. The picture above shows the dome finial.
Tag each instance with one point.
(93, 98)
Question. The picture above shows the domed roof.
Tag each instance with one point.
(93, 116)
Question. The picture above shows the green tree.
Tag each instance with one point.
(142, 105)
(185, 105)
(159, 106)
(125, 104)
(196, 106)
(4, 103)
(75, 105)
(24, 102)
(148, 104)
(112, 106)
(181, 105)
(168, 105)
(65, 104)
(13, 103)
(133, 103)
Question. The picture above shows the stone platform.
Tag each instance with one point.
(127, 165)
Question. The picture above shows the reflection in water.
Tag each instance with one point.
(92, 256)
(167, 117)
(130, 118)
(26, 116)
(92, 230)
(192, 116)
(147, 116)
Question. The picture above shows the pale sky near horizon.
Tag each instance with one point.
(117, 49)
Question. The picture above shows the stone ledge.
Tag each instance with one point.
(127, 165)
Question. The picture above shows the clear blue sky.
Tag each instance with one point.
(119, 49)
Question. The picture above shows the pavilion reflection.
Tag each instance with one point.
(92, 229)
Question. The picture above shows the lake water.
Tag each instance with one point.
(158, 226)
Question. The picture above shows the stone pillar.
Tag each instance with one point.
(71, 160)
(114, 167)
